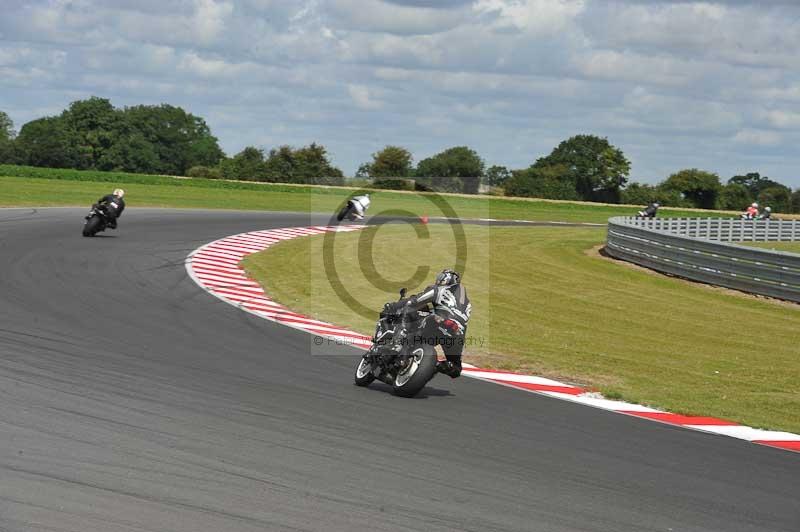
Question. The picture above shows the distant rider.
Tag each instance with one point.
(752, 212)
(447, 325)
(114, 205)
(650, 211)
(766, 214)
(360, 206)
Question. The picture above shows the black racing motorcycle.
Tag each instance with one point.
(406, 364)
(97, 220)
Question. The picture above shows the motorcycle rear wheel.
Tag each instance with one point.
(421, 369)
(92, 226)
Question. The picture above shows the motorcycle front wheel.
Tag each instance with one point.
(364, 375)
(344, 213)
(418, 370)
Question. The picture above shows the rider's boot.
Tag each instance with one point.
(451, 369)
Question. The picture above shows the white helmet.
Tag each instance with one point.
(118, 192)
(767, 209)
(754, 205)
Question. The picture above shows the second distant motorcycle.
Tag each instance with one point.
(354, 209)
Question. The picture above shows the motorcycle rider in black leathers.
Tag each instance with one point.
(447, 325)
(114, 205)
(650, 211)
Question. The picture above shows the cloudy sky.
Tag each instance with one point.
(714, 85)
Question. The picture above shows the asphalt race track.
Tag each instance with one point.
(130, 399)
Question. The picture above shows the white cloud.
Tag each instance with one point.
(627, 66)
(783, 119)
(541, 17)
(377, 16)
(209, 19)
(758, 137)
(362, 97)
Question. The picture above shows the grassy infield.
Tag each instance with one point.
(542, 301)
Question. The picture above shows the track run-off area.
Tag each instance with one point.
(133, 400)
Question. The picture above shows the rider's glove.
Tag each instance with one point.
(394, 309)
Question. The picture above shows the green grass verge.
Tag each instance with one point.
(544, 303)
(31, 186)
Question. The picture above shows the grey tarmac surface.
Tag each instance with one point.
(132, 400)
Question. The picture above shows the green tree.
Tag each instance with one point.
(363, 170)
(459, 162)
(541, 182)
(205, 150)
(280, 164)
(779, 198)
(639, 194)
(7, 135)
(734, 197)
(92, 134)
(47, 142)
(700, 188)
(180, 139)
(754, 182)
(597, 168)
(247, 165)
(6, 127)
(95, 125)
(391, 161)
(311, 165)
(495, 176)
(130, 153)
(644, 194)
(795, 201)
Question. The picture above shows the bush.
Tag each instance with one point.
(494, 191)
(198, 171)
(639, 194)
(539, 183)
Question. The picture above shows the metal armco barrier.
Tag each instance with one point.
(696, 249)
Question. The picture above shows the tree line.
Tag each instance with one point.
(92, 134)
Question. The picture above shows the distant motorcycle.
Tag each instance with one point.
(354, 209)
(406, 364)
(96, 221)
(751, 213)
(650, 211)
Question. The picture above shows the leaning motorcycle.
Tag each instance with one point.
(96, 221)
(406, 364)
(354, 209)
